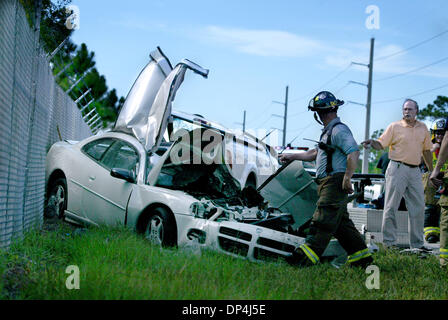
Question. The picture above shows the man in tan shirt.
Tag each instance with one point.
(408, 140)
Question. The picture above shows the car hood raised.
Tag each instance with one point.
(148, 105)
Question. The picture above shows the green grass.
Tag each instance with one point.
(118, 264)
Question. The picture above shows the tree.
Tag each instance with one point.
(83, 59)
(52, 33)
(374, 155)
(52, 23)
(106, 102)
(110, 105)
(437, 109)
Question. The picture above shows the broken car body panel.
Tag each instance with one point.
(293, 190)
(133, 116)
(148, 105)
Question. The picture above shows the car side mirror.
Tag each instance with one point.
(124, 174)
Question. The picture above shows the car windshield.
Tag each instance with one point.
(184, 125)
(179, 123)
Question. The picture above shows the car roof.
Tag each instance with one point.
(198, 118)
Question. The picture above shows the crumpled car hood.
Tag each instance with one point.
(209, 178)
(148, 105)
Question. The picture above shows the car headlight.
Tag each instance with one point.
(202, 210)
(198, 209)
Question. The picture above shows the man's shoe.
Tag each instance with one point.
(391, 247)
(425, 249)
(432, 238)
(421, 251)
(298, 259)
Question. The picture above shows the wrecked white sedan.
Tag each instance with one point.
(178, 195)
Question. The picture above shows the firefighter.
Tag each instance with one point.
(441, 183)
(336, 159)
(432, 208)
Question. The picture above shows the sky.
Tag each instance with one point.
(254, 49)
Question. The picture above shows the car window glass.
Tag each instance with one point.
(268, 157)
(121, 155)
(97, 148)
(183, 124)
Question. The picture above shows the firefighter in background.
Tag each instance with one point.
(432, 208)
(442, 182)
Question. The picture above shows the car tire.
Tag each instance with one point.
(160, 228)
(57, 199)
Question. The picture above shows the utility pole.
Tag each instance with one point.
(244, 122)
(366, 153)
(285, 115)
(365, 160)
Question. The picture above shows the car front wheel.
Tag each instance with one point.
(160, 229)
(57, 199)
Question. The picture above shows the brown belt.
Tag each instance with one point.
(406, 164)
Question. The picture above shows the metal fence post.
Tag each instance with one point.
(36, 31)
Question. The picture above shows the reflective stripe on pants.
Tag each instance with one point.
(431, 230)
(359, 255)
(310, 253)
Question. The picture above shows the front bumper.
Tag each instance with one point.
(245, 240)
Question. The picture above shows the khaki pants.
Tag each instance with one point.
(403, 181)
(331, 218)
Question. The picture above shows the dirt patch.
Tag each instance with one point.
(16, 277)
(17, 273)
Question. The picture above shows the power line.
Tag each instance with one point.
(303, 129)
(297, 114)
(414, 70)
(270, 117)
(353, 102)
(342, 88)
(260, 114)
(411, 47)
(412, 95)
(335, 92)
(322, 86)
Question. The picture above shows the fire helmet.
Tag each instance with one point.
(324, 101)
(438, 126)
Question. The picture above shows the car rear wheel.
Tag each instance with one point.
(57, 199)
(160, 229)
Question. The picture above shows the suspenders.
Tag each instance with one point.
(328, 149)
